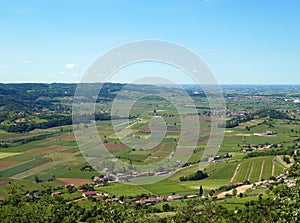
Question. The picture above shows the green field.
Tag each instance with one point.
(255, 164)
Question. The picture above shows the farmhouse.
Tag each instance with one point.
(291, 183)
(150, 200)
(89, 193)
(174, 197)
(281, 176)
(97, 179)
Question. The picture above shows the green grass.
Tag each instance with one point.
(70, 197)
(137, 156)
(256, 168)
(255, 192)
(267, 172)
(184, 172)
(236, 203)
(222, 170)
(175, 204)
(79, 174)
(4, 134)
(66, 171)
(278, 169)
(207, 184)
(167, 187)
(120, 152)
(119, 189)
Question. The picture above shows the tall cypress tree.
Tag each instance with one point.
(200, 191)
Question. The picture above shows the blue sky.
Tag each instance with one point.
(246, 42)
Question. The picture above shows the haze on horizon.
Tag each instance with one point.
(255, 42)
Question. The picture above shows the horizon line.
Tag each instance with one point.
(222, 84)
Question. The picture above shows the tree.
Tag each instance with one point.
(234, 192)
(199, 175)
(37, 179)
(200, 191)
(166, 207)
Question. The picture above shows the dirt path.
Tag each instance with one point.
(273, 166)
(241, 189)
(77, 200)
(250, 172)
(235, 173)
(261, 170)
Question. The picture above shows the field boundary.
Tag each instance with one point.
(34, 170)
(261, 170)
(250, 171)
(235, 173)
(273, 166)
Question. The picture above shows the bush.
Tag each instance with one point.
(199, 175)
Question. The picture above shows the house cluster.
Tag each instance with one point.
(164, 115)
(259, 147)
(84, 193)
(289, 183)
(153, 200)
(126, 177)
(265, 184)
(295, 100)
(237, 113)
(265, 133)
(218, 159)
(251, 97)
(283, 176)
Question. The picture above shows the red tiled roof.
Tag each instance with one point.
(90, 193)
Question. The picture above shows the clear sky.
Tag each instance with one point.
(255, 42)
